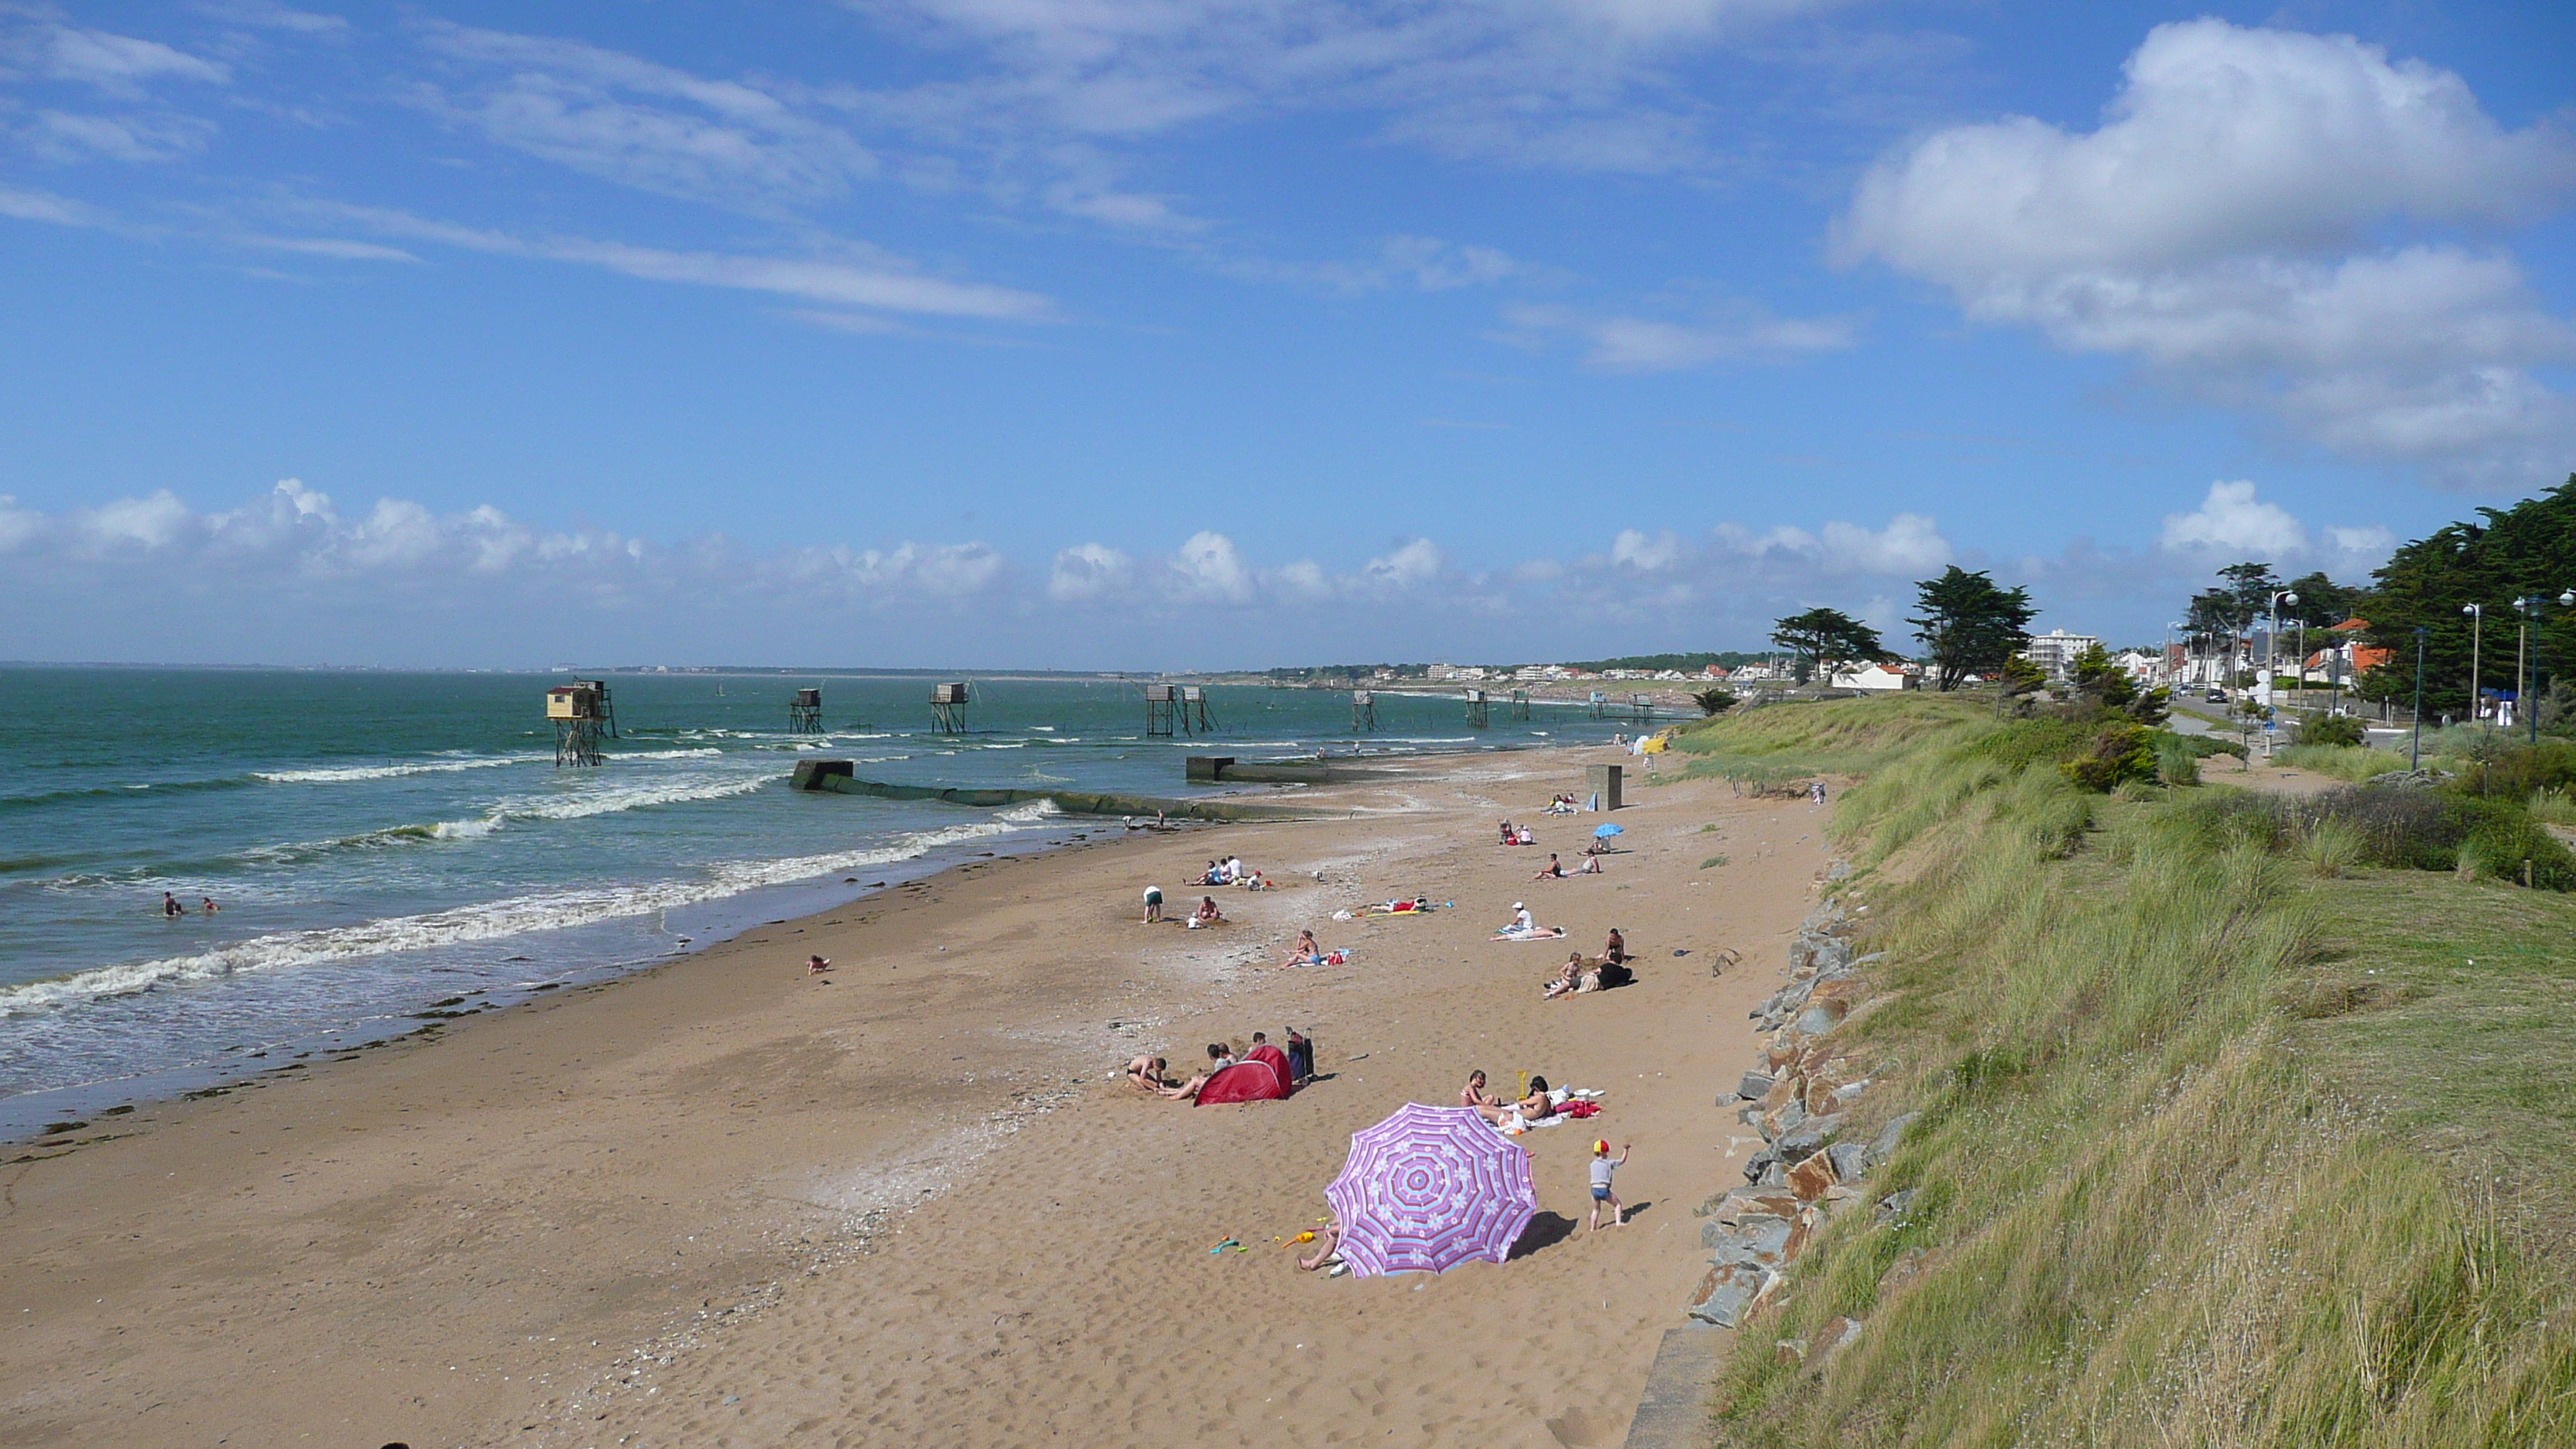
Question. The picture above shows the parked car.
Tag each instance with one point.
(2218, 696)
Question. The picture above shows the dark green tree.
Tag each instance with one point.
(2526, 551)
(2323, 602)
(1821, 636)
(1968, 625)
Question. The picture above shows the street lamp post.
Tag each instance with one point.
(2272, 654)
(2528, 647)
(2478, 622)
(2415, 746)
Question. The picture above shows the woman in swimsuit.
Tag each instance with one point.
(1569, 978)
(1535, 1107)
(1305, 952)
(1474, 1095)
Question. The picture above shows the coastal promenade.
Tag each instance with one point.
(910, 1201)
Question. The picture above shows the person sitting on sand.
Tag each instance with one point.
(1528, 836)
(1207, 914)
(1218, 1060)
(1615, 950)
(816, 965)
(1591, 865)
(1486, 1104)
(1328, 1246)
(1522, 921)
(1305, 952)
(1510, 836)
(1146, 1073)
(1568, 979)
(1550, 871)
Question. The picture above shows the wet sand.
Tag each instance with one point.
(721, 1203)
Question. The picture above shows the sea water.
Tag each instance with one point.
(385, 845)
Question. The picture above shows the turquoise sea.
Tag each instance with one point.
(382, 843)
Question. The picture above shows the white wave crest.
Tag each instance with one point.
(337, 774)
(703, 752)
(489, 920)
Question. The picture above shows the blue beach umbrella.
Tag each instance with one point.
(1604, 832)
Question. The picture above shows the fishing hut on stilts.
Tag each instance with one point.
(579, 711)
(1162, 711)
(1600, 705)
(1363, 711)
(805, 713)
(948, 707)
(1194, 711)
(1478, 712)
(1520, 704)
(1643, 708)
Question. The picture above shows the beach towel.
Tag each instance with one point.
(1543, 933)
(1262, 1076)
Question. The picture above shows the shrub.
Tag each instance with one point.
(2333, 729)
(2120, 754)
(1714, 701)
(2176, 761)
(2331, 848)
(2499, 844)
(2514, 772)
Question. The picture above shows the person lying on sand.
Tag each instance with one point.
(1536, 1107)
(816, 965)
(1553, 870)
(1305, 952)
(1146, 1073)
(1328, 1246)
(1591, 865)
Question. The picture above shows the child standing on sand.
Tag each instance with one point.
(1603, 1166)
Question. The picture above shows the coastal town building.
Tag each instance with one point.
(1880, 677)
(2056, 651)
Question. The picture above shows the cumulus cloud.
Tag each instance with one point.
(1090, 571)
(2233, 523)
(1634, 549)
(2223, 227)
(1417, 562)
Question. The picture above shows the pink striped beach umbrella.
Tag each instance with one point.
(1430, 1188)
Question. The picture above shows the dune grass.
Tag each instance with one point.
(2356, 763)
(2199, 1162)
(1781, 746)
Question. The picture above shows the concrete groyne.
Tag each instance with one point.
(840, 777)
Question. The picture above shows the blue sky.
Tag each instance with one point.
(1163, 334)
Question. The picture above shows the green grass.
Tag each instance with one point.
(2218, 1147)
(2356, 763)
(1779, 747)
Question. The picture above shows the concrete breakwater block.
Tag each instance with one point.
(1673, 1413)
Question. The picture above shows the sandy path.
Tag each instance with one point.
(904, 1207)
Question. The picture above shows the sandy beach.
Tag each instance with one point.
(722, 1203)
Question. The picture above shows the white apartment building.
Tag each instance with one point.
(2056, 651)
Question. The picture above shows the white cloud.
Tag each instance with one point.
(643, 124)
(878, 282)
(2233, 520)
(1563, 83)
(269, 14)
(2233, 523)
(1416, 562)
(27, 205)
(1208, 566)
(63, 137)
(1089, 571)
(2224, 227)
(1910, 544)
(1648, 344)
(154, 522)
(1633, 549)
(115, 64)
